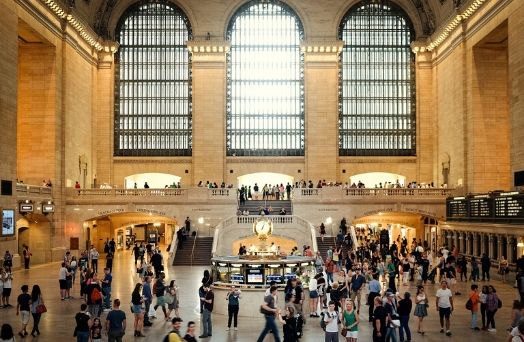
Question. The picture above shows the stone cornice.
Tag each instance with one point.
(374, 160)
(322, 46)
(208, 47)
(151, 160)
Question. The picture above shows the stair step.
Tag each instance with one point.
(202, 252)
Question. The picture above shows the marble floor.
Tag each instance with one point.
(58, 323)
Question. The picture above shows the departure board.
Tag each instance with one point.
(457, 208)
(511, 206)
(480, 207)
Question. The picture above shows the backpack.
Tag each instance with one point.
(96, 295)
(322, 322)
(469, 304)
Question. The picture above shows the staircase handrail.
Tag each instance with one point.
(194, 243)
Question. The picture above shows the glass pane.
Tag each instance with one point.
(153, 82)
(377, 82)
(265, 82)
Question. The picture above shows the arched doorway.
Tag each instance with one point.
(377, 179)
(262, 178)
(34, 230)
(154, 180)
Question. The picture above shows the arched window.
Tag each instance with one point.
(377, 82)
(153, 82)
(265, 81)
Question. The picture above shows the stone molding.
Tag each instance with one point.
(322, 46)
(208, 47)
(155, 160)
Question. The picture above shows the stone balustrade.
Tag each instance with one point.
(26, 190)
(335, 193)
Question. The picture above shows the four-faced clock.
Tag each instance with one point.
(263, 227)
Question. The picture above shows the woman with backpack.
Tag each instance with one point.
(493, 303)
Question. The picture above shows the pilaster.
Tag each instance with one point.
(209, 109)
(321, 84)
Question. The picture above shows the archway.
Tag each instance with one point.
(153, 179)
(262, 178)
(376, 179)
(34, 231)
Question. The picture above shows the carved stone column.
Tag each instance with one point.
(510, 245)
(491, 247)
(475, 237)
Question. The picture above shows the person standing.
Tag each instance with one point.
(421, 309)
(106, 289)
(351, 321)
(36, 300)
(209, 299)
(62, 280)
(482, 299)
(392, 320)
(233, 306)
(475, 300)
(330, 268)
(492, 305)
(503, 268)
(115, 323)
(486, 264)
(23, 309)
(93, 256)
(27, 256)
(520, 285)
(174, 335)
(94, 296)
(444, 304)
(404, 310)
(190, 333)
(82, 324)
(269, 310)
(332, 319)
(313, 296)
(136, 306)
(379, 321)
(391, 274)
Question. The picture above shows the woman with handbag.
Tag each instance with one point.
(350, 322)
(37, 308)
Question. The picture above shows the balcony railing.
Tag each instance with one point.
(25, 190)
(333, 193)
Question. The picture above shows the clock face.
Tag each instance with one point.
(263, 227)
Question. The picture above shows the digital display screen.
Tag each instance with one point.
(8, 222)
(255, 276)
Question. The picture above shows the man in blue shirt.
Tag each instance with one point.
(115, 323)
(106, 289)
(148, 299)
(357, 282)
(374, 291)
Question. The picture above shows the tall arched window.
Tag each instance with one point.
(153, 82)
(377, 82)
(265, 81)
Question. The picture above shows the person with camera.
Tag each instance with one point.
(233, 306)
(332, 319)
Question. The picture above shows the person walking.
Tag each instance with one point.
(392, 318)
(209, 300)
(136, 305)
(269, 310)
(493, 303)
(23, 309)
(391, 274)
(36, 302)
(233, 296)
(82, 319)
(160, 290)
(115, 323)
(474, 275)
(332, 319)
(444, 304)
(475, 300)
(147, 296)
(174, 334)
(421, 308)
(503, 268)
(27, 256)
(374, 291)
(350, 320)
(106, 289)
(404, 310)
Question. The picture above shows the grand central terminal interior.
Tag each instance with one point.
(271, 125)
